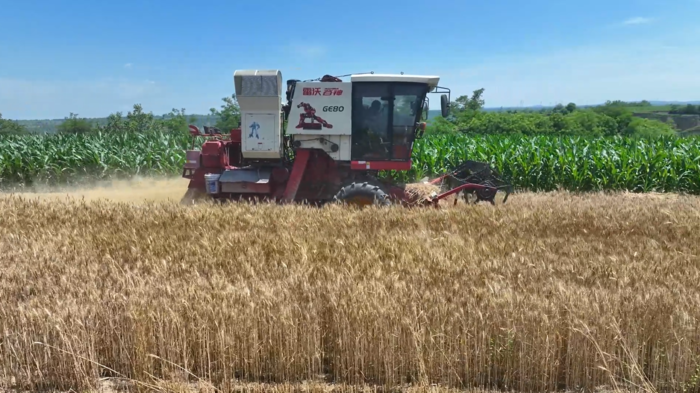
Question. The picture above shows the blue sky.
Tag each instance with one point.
(97, 57)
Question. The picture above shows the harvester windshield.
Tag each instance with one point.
(384, 119)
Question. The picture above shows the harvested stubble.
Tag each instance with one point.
(420, 192)
(544, 293)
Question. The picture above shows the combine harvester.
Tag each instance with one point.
(338, 137)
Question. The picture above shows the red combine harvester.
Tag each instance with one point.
(340, 135)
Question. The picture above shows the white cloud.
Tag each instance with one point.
(638, 20)
(585, 75)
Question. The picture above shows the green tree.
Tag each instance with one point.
(440, 125)
(559, 123)
(476, 103)
(134, 121)
(466, 108)
(588, 122)
(9, 127)
(466, 103)
(619, 112)
(691, 109)
(115, 123)
(75, 125)
(647, 128)
(139, 121)
(177, 121)
(229, 116)
(559, 108)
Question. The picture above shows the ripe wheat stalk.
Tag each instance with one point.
(548, 292)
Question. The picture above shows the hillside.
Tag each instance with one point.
(682, 123)
(691, 131)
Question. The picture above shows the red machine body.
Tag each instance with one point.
(311, 177)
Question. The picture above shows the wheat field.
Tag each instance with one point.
(549, 292)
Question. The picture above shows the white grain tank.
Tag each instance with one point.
(259, 94)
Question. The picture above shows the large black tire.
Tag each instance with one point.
(362, 194)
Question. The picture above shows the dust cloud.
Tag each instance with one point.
(131, 190)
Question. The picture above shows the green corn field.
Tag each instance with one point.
(536, 163)
(60, 159)
(546, 163)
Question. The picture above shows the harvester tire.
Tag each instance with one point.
(362, 194)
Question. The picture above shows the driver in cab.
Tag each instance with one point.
(375, 120)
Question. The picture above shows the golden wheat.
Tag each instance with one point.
(420, 192)
(548, 292)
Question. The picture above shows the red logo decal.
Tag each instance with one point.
(332, 91)
(316, 91)
(312, 91)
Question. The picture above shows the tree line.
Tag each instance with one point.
(612, 118)
(467, 116)
(689, 109)
(136, 120)
(9, 127)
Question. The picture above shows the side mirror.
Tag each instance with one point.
(444, 105)
(425, 113)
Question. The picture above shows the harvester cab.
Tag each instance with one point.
(370, 122)
(327, 141)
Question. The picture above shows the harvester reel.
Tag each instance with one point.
(480, 173)
(362, 194)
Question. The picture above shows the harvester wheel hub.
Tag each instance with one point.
(362, 194)
(360, 200)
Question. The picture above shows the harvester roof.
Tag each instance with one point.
(431, 80)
